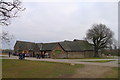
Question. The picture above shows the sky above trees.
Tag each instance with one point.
(58, 21)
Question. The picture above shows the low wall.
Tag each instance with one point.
(75, 54)
(89, 54)
(82, 54)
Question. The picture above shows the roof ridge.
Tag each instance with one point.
(25, 41)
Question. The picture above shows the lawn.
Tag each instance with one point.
(99, 58)
(0, 68)
(100, 61)
(91, 58)
(36, 69)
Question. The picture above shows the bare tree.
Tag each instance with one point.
(9, 10)
(100, 36)
(6, 38)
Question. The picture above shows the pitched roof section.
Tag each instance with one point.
(46, 46)
(79, 45)
(49, 46)
(23, 45)
(39, 45)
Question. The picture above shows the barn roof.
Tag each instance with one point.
(78, 45)
(23, 45)
(46, 46)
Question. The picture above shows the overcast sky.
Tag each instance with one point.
(58, 21)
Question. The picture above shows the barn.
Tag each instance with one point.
(64, 49)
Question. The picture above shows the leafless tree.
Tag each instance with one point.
(100, 36)
(9, 10)
(6, 37)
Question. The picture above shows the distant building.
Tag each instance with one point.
(65, 49)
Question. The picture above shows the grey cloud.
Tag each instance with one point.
(48, 22)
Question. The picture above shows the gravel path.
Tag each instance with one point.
(74, 61)
(111, 64)
(93, 71)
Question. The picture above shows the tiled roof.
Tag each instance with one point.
(39, 45)
(23, 45)
(77, 45)
(46, 46)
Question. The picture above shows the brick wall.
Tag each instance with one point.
(75, 54)
(63, 54)
(60, 55)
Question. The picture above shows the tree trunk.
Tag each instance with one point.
(96, 53)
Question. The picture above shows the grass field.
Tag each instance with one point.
(100, 61)
(100, 58)
(91, 58)
(36, 69)
(0, 68)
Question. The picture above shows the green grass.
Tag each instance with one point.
(0, 68)
(3, 56)
(116, 68)
(89, 58)
(36, 69)
(99, 58)
(101, 61)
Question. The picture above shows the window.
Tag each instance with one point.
(58, 51)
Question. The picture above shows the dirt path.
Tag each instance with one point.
(90, 71)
